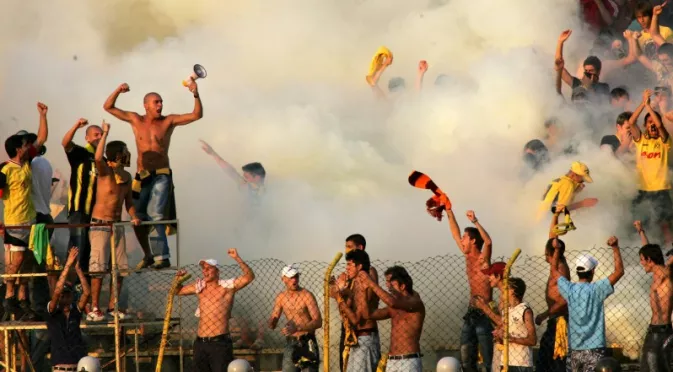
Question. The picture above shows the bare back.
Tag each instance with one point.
(215, 303)
(296, 307)
(479, 285)
(110, 195)
(660, 298)
(406, 330)
(552, 295)
(153, 138)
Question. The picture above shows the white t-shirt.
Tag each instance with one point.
(519, 355)
(41, 194)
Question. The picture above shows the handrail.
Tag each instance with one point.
(61, 225)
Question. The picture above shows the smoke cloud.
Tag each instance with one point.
(286, 87)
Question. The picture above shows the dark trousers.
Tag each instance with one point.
(213, 356)
(476, 334)
(342, 346)
(655, 355)
(545, 356)
(79, 237)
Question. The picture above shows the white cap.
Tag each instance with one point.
(209, 261)
(290, 271)
(586, 263)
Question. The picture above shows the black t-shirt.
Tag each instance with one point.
(598, 92)
(67, 345)
(83, 174)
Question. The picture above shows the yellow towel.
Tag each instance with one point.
(377, 60)
(381, 367)
(561, 339)
(38, 243)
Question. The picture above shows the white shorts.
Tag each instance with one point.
(404, 365)
(20, 234)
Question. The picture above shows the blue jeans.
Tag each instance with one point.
(151, 206)
(477, 332)
(79, 237)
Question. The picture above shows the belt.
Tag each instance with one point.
(96, 220)
(218, 338)
(661, 328)
(366, 332)
(405, 356)
(68, 369)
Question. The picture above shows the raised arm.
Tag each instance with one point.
(43, 130)
(99, 159)
(485, 256)
(422, 69)
(633, 120)
(276, 312)
(195, 115)
(559, 67)
(641, 232)
(657, 123)
(247, 277)
(455, 229)
(111, 101)
(410, 304)
(70, 134)
(556, 259)
(58, 290)
(654, 24)
(554, 221)
(618, 272)
(607, 15)
(86, 289)
(565, 75)
(374, 81)
(186, 290)
(228, 168)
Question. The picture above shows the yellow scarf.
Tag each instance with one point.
(561, 339)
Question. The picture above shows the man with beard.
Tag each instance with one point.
(16, 186)
(82, 191)
(303, 318)
(652, 148)
(213, 348)
(153, 184)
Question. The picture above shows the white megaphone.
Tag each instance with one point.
(199, 73)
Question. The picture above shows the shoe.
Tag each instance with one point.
(28, 314)
(11, 306)
(122, 314)
(145, 262)
(158, 265)
(95, 315)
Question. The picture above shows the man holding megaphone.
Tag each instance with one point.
(153, 184)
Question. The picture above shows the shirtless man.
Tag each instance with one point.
(213, 348)
(366, 354)
(656, 347)
(476, 245)
(407, 314)
(303, 319)
(557, 307)
(113, 191)
(153, 184)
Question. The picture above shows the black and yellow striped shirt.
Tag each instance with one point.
(82, 191)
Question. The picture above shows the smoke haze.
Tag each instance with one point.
(286, 87)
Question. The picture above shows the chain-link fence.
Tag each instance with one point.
(440, 281)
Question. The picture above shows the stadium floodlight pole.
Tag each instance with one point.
(505, 317)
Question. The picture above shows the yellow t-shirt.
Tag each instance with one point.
(559, 191)
(648, 46)
(16, 197)
(652, 163)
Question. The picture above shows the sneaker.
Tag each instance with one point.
(145, 262)
(121, 313)
(11, 306)
(95, 315)
(158, 265)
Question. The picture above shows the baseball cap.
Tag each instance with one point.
(290, 271)
(209, 261)
(497, 268)
(585, 263)
(581, 169)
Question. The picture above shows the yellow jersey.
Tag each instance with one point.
(647, 44)
(17, 184)
(559, 191)
(652, 163)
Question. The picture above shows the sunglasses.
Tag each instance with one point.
(589, 74)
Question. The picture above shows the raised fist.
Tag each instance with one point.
(123, 88)
(613, 242)
(422, 66)
(470, 216)
(106, 126)
(638, 225)
(42, 108)
(81, 123)
(233, 253)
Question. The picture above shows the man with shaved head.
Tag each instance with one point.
(153, 183)
(82, 193)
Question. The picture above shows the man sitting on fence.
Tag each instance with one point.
(213, 348)
(476, 245)
(303, 318)
(407, 313)
(64, 317)
(655, 354)
(586, 327)
(113, 191)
